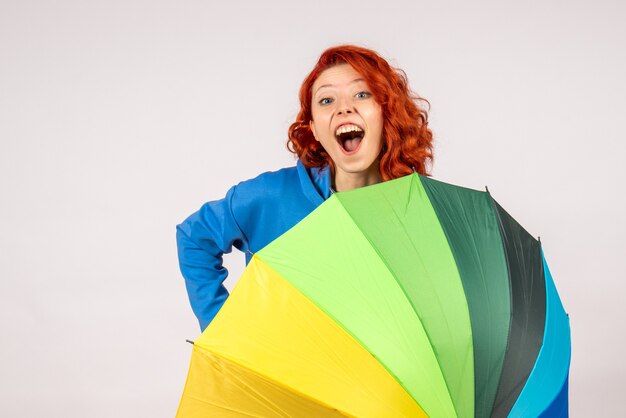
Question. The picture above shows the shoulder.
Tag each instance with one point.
(269, 189)
(269, 183)
(266, 206)
(276, 175)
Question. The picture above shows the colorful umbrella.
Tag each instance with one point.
(409, 298)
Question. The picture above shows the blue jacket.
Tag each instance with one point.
(252, 214)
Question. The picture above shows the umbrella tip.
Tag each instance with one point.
(487, 189)
(190, 342)
(539, 239)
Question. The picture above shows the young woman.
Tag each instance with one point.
(359, 124)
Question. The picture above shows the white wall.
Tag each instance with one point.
(119, 118)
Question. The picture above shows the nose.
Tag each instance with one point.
(344, 107)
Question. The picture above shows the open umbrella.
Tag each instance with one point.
(408, 298)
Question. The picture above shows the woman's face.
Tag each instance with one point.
(348, 122)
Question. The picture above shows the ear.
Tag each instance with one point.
(312, 127)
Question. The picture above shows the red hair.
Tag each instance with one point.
(407, 140)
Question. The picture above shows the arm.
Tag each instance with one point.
(202, 239)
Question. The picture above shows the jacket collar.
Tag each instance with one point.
(315, 182)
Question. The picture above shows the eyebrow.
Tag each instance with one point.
(356, 80)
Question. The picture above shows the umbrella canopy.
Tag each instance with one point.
(409, 298)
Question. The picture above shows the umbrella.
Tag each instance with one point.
(408, 298)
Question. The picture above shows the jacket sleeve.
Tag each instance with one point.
(202, 239)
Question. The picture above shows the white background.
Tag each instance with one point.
(120, 118)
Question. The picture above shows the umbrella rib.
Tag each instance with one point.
(415, 249)
(274, 382)
(482, 274)
(223, 407)
(504, 239)
(393, 274)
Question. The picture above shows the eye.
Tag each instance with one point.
(325, 101)
(363, 95)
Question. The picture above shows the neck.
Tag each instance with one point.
(349, 181)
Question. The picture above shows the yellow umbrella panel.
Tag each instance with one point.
(270, 352)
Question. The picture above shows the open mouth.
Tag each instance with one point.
(349, 137)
